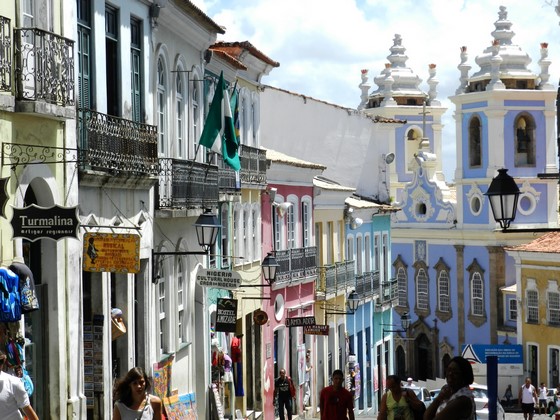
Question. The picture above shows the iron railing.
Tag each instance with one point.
(389, 291)
(5, 55)
(187, 184)
(115, 144)
(296, 264)
(367, 284)
(44, 66)
(336, 278)
(253, 168)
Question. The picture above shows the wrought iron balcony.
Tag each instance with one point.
(253, 168)
(367, 284)
(296, 264)
(336, 278)
(388, 291)
(5, 55)
(186, 184)
(116, 145)
(44, 66)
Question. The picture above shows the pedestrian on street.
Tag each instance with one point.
(527, 397)
(132, 400)
(508, 395)
(455, 400)
(542, 398)
(398, 402)
(13, 396)
(307, 385)
(283, 386)
(336, 402)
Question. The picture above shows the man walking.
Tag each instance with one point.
(527, 397)
(542, 398)
(336, 402)
(283, 393)
(13, 396)
(307, 385)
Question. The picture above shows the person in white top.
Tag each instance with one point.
(527, 397)
(542, 398)
(13, 397)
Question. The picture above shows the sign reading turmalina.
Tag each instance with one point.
(111, 252)
(34, 222)
(226, 315)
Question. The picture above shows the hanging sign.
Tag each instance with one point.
(300, 322)
(219, 279)
(316, 329)
(226, 315)
(111, 252)
(35, 222)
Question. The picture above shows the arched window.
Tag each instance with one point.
(196, 100)
(180, 115)
(402, 291)
(422, 289)
(477, 295)
(475, 145)
(524, 140)
(161, 107)
(181, 294)
(443, 309)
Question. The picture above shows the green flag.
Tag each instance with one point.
(219, 133)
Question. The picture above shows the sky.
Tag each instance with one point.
(322, 45)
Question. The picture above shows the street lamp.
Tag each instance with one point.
(503, 194)
(207, 227)
(405, 325)
(269, 267)
(352, 303)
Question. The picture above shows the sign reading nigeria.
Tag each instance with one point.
(219, 279)
(34, 222)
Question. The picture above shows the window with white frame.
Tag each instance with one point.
(422, 290)
(179, 114)
(180, 301)
(402, 290)
(161, 313)
(444, 304)
(350, 248)
(385, 269)
(305, 224)
(367, 253)
(376, 254)
(244, 113)
(291, 227)
(247, 234)
(225, 235)
(277, 224)
(477, 295)
(255, 233)
(255, 115)
(512, 309)
(359, 260)
(553, 308)
(237, 234)
(532, 306)
(161, 107)
(195, 101)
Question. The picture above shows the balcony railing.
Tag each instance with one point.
(44, 66)
(116, 145)
(336, 278)
(296, 264)
(187, 184)
(253, 168)
(367, 284)
(389, 291)
(5, 55)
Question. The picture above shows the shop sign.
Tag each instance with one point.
(35, 222)
(300, 322)
(226, 315)
(111, 252)
(219, 279)
(316, 329)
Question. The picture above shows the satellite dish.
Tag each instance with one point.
(356, 223)
(389, 158)
(282, 208)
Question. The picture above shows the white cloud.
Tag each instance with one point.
(323, 44)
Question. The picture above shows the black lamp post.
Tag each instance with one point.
(352, 303)
(503, 194)
(269, 267)
(207, 228)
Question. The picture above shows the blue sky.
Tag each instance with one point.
(323, 44)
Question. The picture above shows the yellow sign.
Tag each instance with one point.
(112, 252)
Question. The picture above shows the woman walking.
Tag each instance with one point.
(132, 400)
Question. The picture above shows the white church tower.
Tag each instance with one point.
(410, 121)
(505, 118)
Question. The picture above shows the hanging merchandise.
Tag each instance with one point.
(10, 304)
(27, 293)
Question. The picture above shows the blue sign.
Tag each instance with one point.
(510, 357)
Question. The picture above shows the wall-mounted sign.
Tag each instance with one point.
(300, 322)
(510, 358)
(219, 279)
(226, 315)
(316, 329)
(111, 252)
(3, 196)
(260, 317)
(34, 222)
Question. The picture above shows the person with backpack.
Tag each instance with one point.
(284, 391)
